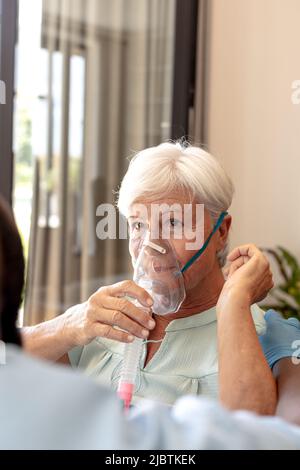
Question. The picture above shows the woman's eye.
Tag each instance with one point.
(175, 223)
(137, 226)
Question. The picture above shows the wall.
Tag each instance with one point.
(252, 125)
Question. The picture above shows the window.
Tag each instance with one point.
(94, 83)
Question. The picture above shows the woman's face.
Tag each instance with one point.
(142, 218)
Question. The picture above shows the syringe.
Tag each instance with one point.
(132, 354)
(133, 351)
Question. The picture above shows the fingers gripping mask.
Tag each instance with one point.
(157, 271)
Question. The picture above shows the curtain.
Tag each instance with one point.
(109, 67)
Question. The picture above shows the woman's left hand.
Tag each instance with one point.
(248, 276)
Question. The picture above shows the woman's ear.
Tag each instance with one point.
(223, 232)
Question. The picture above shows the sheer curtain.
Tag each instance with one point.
(109, 67)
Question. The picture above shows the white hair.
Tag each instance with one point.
(159, 171)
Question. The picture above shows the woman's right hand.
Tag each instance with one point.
(108, 314)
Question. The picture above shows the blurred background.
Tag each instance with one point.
(89, 82)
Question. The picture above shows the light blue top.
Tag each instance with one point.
(282, 338)
(185, 363)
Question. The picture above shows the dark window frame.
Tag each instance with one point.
(8, 32)
(184, 80)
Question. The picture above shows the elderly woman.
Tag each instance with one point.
(210, 346)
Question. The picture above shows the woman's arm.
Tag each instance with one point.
(79, 325)
(245, 378)
(54, 338)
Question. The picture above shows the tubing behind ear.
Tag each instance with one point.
(199, 252)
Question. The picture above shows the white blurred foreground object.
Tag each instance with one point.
(46, 406)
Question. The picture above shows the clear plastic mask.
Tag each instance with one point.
(157, 270)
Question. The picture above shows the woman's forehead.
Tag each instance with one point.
(171, 204)
(174, 201)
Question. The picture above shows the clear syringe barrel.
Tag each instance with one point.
(131, 359)
(132, 354)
